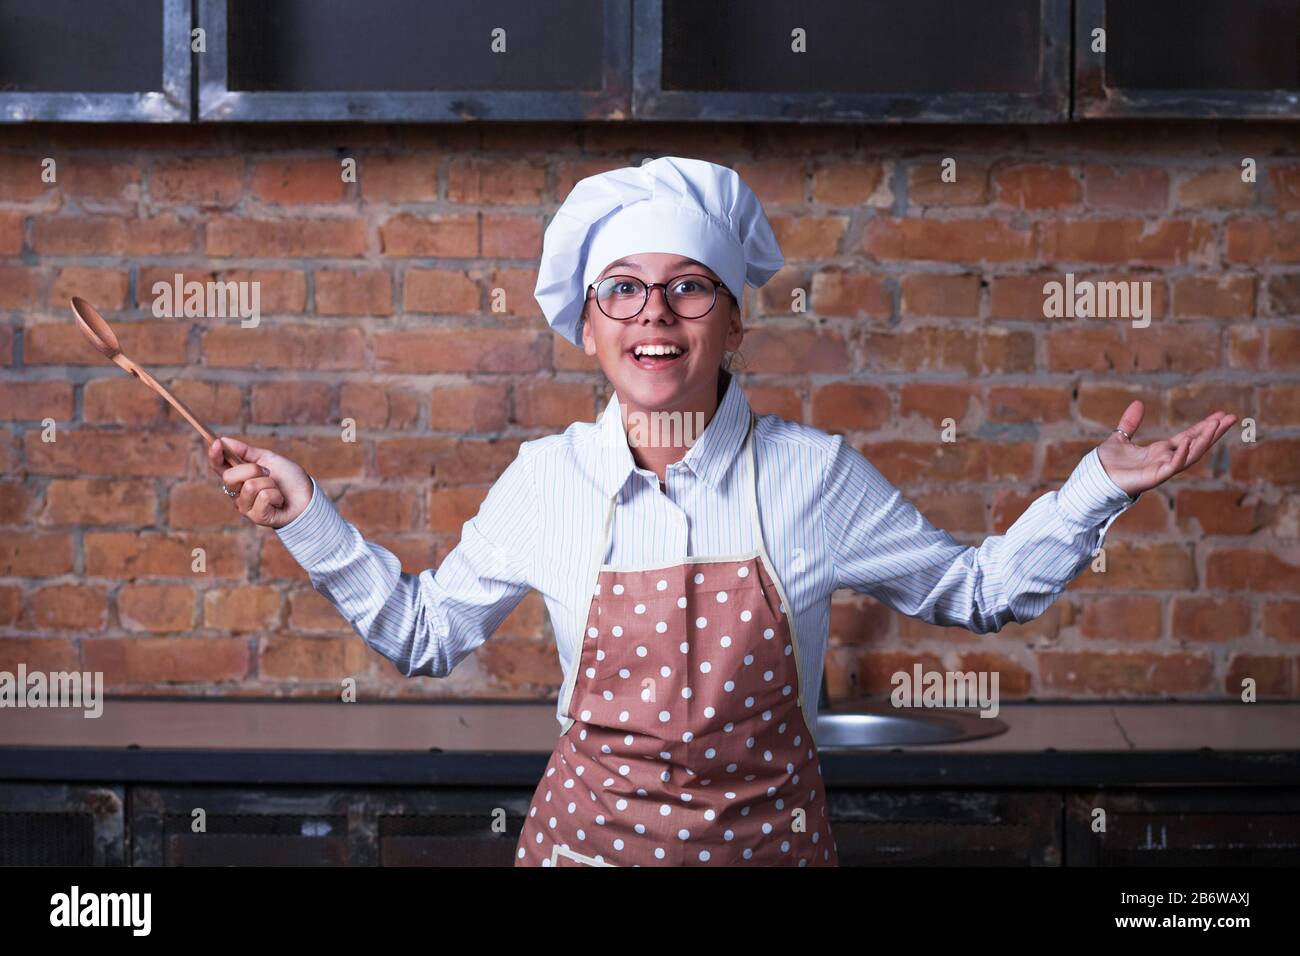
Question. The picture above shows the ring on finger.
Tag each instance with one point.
(229, 493)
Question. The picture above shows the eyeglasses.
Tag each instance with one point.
(688, 296)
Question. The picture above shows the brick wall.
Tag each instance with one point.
(377, 305)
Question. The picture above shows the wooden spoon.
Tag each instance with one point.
(105, 342)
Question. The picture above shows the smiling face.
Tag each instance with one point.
(685, 375)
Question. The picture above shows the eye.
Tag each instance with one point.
(689, 286)
(625, 287)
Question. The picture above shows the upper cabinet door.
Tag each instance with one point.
(852, 60)
(416, 60)
(1205, 59)
(95, 60)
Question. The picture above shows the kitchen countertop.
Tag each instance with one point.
(471, 743)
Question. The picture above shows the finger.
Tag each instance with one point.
(1200, 441)
(246, 451)
(1131, 418)
(1178, 462)
(266, 504)
(248, 493)
(1226, 422)
(233, 476)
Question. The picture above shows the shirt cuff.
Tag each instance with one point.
(1090, 496)
(316, 534)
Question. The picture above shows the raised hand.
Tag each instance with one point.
(270, 490)
(1137, 468)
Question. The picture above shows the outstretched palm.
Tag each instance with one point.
(1136, 469)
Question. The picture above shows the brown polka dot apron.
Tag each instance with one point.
(685, 743)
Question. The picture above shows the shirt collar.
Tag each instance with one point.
(708, 458)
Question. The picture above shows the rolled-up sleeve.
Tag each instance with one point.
(425, 623)
(883, 546)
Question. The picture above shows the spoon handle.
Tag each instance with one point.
(231, 458)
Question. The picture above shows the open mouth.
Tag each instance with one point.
(659, 355)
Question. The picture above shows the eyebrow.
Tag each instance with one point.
(679, 261)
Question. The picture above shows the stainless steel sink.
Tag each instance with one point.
(855, 726)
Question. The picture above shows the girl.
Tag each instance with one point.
(688, 579)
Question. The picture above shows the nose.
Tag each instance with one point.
(662, 309)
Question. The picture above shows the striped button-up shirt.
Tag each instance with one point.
(830, 520)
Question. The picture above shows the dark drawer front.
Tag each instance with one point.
(946, 828)
(1194, 827)
(61, 825)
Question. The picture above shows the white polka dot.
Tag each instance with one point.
(664, 809)
(729, 686)
(624, 673)
(705, 667)
(659, 853)
(722, 597)
(709, 711)
(585, 715)
(665, 671)
(618, 844)
(621, 805)
(661, 626)
(592, 632)
(745, 615)
(686, 692)
(767, 675)
(639, 609)
(641, 651)
(664, 716)
(618, 589)
(590, 672)
(616, 630)
(683, 834)
(704, 855)
(726, 640)
(749, 659)
(662, 585)
(743, 571)
(683, 647)
(767, 633)
(701, 621)
(624, 716)
(600, 655)
(699, 578)
(681, 602)
(608, 695)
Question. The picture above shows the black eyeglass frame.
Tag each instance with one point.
(650, 286)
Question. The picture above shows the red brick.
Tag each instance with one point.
(925, 185)
(386, 509)
(853, 294)
(1027, 186)
(88, 501)
(450, 508)
(439, 290)
(379, 406)
(200, 505)
(809, 237)
(846, 407)
(786, 351)
(289, 182)
(949, 240)
(1146, 673)
(145, 661)
(66, 607)
(1275, 460)
(93, 182)
(237, 610)
(297, 346)
(1016, 403)
(1134, 566)
(495, 181)
(35, 400)
(468, 408)
(347, 292)
(780, 181)
(156, 607)
(24, 554)
(1242, 569)
(931, 294)
(448, 460)
(430, 236)
(511, 237)
(399, 178)
(844, 183)
(149, 343)
(1213, 188)
(127, 555)
(1210, 620)
(1227, 296)
(546, 403)
(161, 235)
(1123, 618)
(106, 289)
(458, 350)
(1128, 189)
(1128, 241)
(120, 401)
(83, 452)
(1262, 241)
(316, 659)
(204, 182)
(285, 238)
(934, 402)
(304, 403)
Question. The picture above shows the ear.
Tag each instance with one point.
(735, 329)
(588, 338)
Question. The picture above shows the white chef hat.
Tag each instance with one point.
(689, 207)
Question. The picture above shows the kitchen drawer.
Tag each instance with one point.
(61, 825)
(946, 827)
(1185, 827)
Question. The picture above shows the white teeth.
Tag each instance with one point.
(657, 350)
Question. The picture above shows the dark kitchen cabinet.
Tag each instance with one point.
(1187, 58)
(301, 826)
(866, 60)
(1184, 827)
(61, 824)
(946, 828)
(95, 60)
(415, 60)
